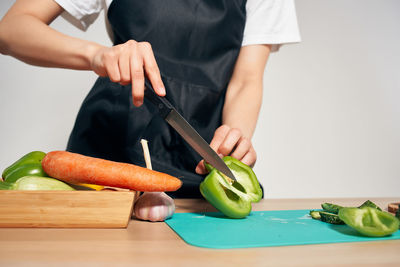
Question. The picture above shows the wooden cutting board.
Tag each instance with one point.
(66, 209)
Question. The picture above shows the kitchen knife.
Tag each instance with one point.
(188, 133)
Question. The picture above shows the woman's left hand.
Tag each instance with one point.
(229, 141)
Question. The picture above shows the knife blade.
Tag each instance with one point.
(184, 129)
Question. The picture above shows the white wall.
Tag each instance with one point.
(330, 121)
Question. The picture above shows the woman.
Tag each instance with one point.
(207, 57)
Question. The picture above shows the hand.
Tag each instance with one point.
(231, 142)
(154, 206)
(127, 63)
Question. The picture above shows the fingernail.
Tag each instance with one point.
(161, 90)
(137, 103)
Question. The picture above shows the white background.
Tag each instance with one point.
(330, 121)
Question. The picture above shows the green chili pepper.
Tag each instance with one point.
(232, 198)
(369, 221)
(29, 164)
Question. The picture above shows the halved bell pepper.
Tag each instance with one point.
(28, 165)
(369, 221)
(232, 198)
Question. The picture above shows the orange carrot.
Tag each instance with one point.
(76, 168)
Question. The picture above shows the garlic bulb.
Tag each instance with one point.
(154, 206)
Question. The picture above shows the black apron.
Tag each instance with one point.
(196, 44)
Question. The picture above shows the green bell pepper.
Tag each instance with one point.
(32, 169)
(29, 164)
(369, 221)
(232, 198)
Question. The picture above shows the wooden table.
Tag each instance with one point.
(148, 243)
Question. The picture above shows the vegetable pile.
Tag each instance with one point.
(27, 174)
(232, 198)
(367, 219)
(62, 170)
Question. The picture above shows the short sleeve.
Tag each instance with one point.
(81, 13)
(271, 22)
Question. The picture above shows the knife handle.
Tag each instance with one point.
(161, 103)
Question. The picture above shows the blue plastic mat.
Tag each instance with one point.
(262, 229)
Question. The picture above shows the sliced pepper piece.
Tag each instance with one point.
(315, 214)
(330, 217)
(92, 186)
(232, 198)
(369, 221)
(371, 204)
(332, 208)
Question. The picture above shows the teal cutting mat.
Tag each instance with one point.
(261, 229)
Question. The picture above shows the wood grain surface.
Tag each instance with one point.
(155, 244)
(66, 209)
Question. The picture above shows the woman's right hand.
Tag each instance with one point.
(128, 63)
(41, 45)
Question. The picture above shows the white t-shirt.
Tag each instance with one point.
(272, 22)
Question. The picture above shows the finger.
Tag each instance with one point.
(230, 141)
(123, 64)
(137, 76)
(200, 168)
(111, 65)
(151, 68)
(243, 146)
(250, 158)
(219, 136)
